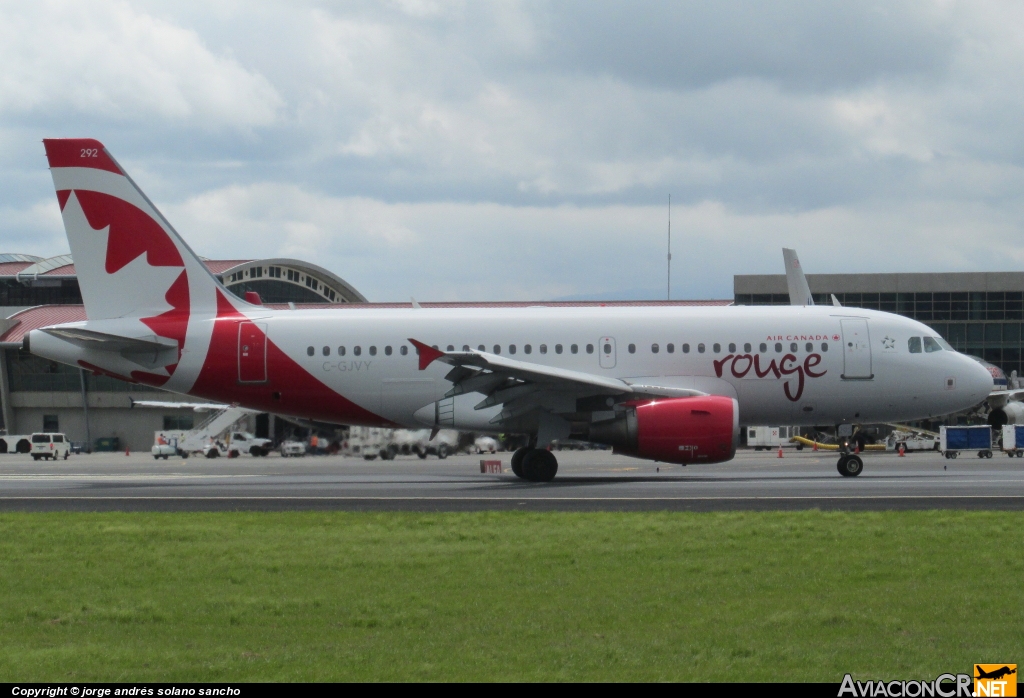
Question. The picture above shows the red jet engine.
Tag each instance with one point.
(674, 430)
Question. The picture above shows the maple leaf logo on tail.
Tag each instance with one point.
(131, 265)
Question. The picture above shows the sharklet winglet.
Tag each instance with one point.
(428, 354)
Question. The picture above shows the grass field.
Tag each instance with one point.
(508, 596)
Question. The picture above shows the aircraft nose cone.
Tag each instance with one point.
(977, 381)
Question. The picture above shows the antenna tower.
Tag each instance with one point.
(668, 281)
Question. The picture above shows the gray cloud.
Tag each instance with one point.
(485, 150)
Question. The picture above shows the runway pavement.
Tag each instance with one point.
(587, 481)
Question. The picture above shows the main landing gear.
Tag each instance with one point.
(850, 465)
(535, 464)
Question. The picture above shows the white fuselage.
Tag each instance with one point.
(888, 384)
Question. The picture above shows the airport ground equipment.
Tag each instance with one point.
(1013, 440)
(292, 449)
(373, 442)
(766, 438)
(911, 439)
(955, 440)
(50, 445)
(15, 443)
(214, 436)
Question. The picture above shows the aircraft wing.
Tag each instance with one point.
(522, 386)
(999, 398)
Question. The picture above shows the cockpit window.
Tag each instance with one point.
(931, 344)
(944, 344)
(914, 344)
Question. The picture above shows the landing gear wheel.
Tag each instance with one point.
(517, 462)
(442, 451)
(850, 466)
(540, 465)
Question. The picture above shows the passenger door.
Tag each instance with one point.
(856, 349)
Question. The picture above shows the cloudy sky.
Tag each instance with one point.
(472, 150)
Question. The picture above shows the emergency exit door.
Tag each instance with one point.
(252, 352)
(606, 349)
(856, 349)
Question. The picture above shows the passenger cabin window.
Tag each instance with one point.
(631, 348)
(497, 348)
(930, 345)
(686, 348)
(824, 346)
(700, 348)
(746, 347)
(528, 349)
(357, 350)
(763, 348)
(403, 350)
(732, 348)
(793, 347)
(327, 351)
(451, 347)
(543, 348)
(481, 348)
(809, 347)
(914, 344)
(717, 347)
(654, 348)
(575, 349)
(373, 351)
(670, 348)
(341, 351)
(558, 348)
(590, 348)
(310, 351)
(511, 348)
(387, 350)
(778, 347)
(465, 347)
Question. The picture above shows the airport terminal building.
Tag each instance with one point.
(979, 313)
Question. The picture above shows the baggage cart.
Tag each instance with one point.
(1013, 440)
(955, 440)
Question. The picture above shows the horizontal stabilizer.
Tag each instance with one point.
(150, 352)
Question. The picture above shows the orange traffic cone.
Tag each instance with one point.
(126, 451)
(780, 451)
(856, 449)
(815, 446)
(903, 450)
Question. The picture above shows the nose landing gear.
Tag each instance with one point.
(535, 464)
(850, 465)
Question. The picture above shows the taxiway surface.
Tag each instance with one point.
(587, 481)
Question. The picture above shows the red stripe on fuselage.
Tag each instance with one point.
(62, 197)
(299, 393)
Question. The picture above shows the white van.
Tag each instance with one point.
(49, 445)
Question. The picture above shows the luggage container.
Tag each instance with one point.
(1013, 440)
(954, 440)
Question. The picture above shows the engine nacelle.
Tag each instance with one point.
(1010, 413)
(674, 430)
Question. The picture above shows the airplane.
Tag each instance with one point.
(665, 383)
(995, 673)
